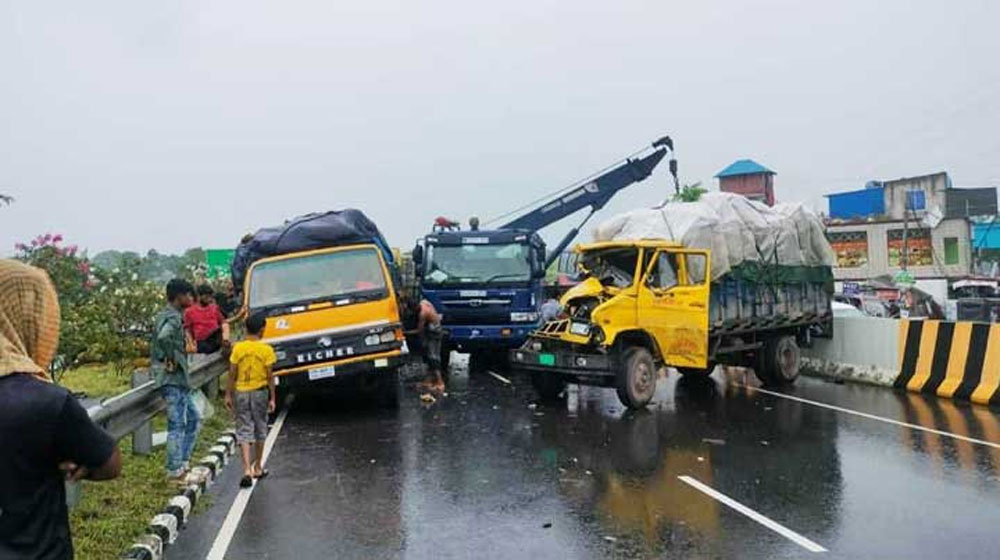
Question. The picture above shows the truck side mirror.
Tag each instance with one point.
(418, 255)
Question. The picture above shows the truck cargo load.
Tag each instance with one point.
(303, 233)
(734, 228)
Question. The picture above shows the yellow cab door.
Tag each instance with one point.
(673, 305)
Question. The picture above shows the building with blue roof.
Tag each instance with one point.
(748, 178)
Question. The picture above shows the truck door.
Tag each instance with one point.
(673, 305)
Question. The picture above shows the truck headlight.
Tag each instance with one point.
(524, 317)
(581, 329)
(387, 336)
(372, 340)
(280, 354)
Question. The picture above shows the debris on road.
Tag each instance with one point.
(499, 377)
(547, 526)
(713, 441)
(532, 406)
(427, 398)
(609, 538)
(765, 442)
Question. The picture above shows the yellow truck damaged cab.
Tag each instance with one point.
(651, 303)
(332, 315)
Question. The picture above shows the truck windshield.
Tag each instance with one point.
(613, 267)
(448, 264)
(348, 274)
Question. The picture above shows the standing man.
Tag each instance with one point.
(170, 369)
(430, 332)
(45, 435)
(205, 323)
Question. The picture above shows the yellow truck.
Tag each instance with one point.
(330, 298)
(652, 303)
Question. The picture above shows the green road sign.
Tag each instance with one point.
(218, 262)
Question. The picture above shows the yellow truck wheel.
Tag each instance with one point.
(636, 382)
(781, 360)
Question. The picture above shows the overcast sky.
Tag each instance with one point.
(133, 124)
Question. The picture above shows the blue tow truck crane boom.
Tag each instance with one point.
(487, 284)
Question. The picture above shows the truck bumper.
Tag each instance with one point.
(586, 368)
(474, 337)
(354, 372)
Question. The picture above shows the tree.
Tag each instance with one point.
(106, 313)
(689, 193)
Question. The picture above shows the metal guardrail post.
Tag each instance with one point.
(142, 437)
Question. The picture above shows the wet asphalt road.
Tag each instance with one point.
(485, 473)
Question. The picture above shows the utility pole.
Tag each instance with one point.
(905, 256)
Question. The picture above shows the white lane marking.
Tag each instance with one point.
(500, 377)
(874, 417)
(232, 522)
(770, 524)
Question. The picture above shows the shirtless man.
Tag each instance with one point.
(430, 332)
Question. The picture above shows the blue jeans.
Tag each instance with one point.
(183, 424)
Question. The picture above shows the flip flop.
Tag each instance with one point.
(246, 481)
(263, 474)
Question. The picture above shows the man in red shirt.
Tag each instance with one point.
(206, 328)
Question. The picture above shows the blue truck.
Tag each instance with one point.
(488, 284)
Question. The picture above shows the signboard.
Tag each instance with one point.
(850, 247)
(218, 262)
(851, 288)
(918, 246)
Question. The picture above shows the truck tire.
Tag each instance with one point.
(549, 386)
(387, 391)
(781, 361)
(636, 382)
(446, 361)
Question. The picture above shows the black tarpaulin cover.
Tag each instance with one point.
(311, 231)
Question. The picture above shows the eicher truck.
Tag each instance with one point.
(689, 285)
(327, 283)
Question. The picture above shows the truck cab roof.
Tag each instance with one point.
(484, 237)
(646, 243)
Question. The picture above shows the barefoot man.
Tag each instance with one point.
(430, 332)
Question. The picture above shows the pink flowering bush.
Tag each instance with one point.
(107, 315)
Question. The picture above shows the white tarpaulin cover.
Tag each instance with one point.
(735, 229)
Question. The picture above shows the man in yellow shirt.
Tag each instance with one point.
(250, 395)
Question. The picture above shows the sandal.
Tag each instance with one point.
(246, 481)
(263, 474)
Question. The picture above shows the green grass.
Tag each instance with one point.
(110, 515)
(97, 381)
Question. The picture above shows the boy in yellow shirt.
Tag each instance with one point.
(250, 395)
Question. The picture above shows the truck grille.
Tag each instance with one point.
(554, 328)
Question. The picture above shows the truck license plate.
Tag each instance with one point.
(321, 373)
(547, 359)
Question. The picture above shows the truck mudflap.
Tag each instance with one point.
(576, 364)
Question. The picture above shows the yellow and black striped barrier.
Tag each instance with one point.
(958, 360)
